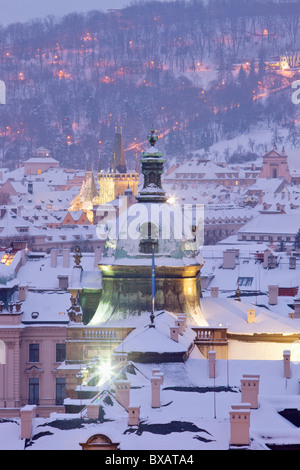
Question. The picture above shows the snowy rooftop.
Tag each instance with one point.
(194, 412)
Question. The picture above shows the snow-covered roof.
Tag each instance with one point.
(285, 224)
(194, 411)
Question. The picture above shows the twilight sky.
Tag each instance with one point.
(12, 11)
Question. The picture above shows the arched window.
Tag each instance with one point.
(2, 353)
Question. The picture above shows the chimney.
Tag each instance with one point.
(180, 324)
(292, 262)
(27, 413)
(214, 292)
(183, 317)
(133, 415)
(174, 332)
(250, 390)
(97, 257)
(273, 294)
(63, 281)
(119, 358)
(240, 425)
(212, 364)
(92, 411)
(122, 390)
(158, 373)
(287, 364)
(297, 308)
(53, 258)
(156, 382)
(266, 258)
(66, 258)
(251, 315)
(229, 259)
(22, 293)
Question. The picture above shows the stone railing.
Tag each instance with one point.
(213, 335)
(109, 334)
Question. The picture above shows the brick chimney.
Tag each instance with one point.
(156, 382)
(53, 258)
(27, 413)
(183, 317)
(250, 389)
(22, 293)
(122, 390)
(240, 425)
(92, 411)
(251, 315)
(214, 292)
(133, 415)
(174, 332)
(119, 358)
(66, 258)
(180, 323)
(158, 373)
(273, 294)
(287, 364)
(297, 308)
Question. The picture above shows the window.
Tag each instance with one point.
(33, 391)
(244, 281)
(60, 391)
(34, 352)
(39, 171)
(60, 352)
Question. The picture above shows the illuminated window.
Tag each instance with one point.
(39, 171)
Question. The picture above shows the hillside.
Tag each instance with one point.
(199, 72)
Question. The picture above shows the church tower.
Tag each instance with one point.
(117, 180)
(152, 169)
(119, 161)
(151, 226)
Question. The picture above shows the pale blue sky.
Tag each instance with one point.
(23, 10)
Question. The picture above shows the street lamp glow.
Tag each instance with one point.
(171, 200)
(105, 372)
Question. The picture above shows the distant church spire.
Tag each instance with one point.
(119, 153)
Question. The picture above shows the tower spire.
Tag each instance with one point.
(119, 153)
(152, 169)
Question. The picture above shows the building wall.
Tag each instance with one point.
(112, 185)
(35, 168)
(275, 166)
(16, 370)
